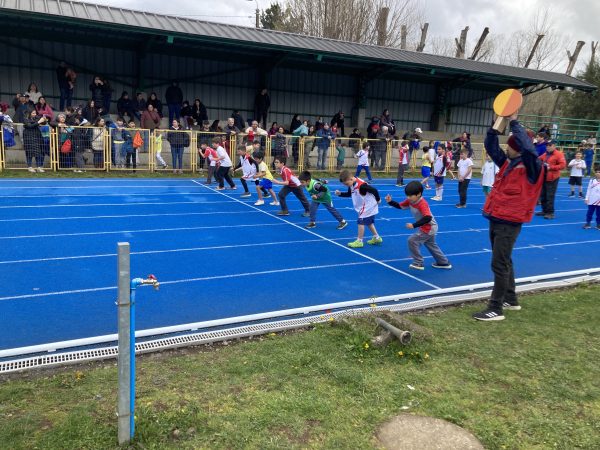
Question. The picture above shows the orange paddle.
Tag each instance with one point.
(506, 104)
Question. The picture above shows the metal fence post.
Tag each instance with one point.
(124, 366)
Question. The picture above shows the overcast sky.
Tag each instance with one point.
(577, 20)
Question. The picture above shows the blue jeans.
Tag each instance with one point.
(174, 112)
(322, 157)
(590, 214)
(588, 166)
(177, 157)
(359, 170)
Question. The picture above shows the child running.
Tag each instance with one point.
(488, 175)
(210, 154)
(320, 195)
(265, 180)
(592, 200)
(465, 169)
(224, 162)
(363, 160)
(248, 166)
(290, 183)
(365, 200)
(577, 166)
(439, 173)
(425, 225)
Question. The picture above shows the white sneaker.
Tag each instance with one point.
(78, 171)
(40, 170)
(31, 169)
(436, 198)
(276, 203)
(259, 202)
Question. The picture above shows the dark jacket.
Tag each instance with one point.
(238, 120)
(178, 138)
(174, 95)
(199, 113)
(32, 136)
(262, 103)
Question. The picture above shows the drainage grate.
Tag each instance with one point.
(206, 337)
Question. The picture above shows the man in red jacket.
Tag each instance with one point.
(554, 162)
(510, 204)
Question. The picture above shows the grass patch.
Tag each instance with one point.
(531, 381)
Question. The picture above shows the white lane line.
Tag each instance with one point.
(144, 194)
(160, 230)
(345, 247)
(151, 230)
(128, 205)
(270, 272)
(183, 214)
(128, 216)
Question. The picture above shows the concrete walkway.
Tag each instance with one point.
(410, 432)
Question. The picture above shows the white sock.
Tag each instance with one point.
(440, 191)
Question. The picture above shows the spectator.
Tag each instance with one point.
(187, 121)
(81, 139)
(238, 120)
(296, 122)
(354, 139)
(273, 130)
(44, 109)
(34, 94)
(319, 123)
(338, 121)
(174, 98)
(178, 139)
(23, 109)
(465, 140)
(324, 135)
(299, 133)
(278, 143)
(554, 161)
(414, 141)
(230, 127)
(387, 121)
(150, 118)
(125, 106)
(98, 90)
(215, 128)
(106, 96)
(588, 157)
(98, 142)
(383, 137)
(33, 141)
(156, 104)
(139, 105)
(90, 111)
(540, 143)
(262, 103)
(66, 77)
(63, 129)
(199, 113)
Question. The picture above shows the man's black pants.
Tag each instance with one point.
(503, 238)
(548, 194)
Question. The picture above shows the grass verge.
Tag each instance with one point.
(531, 381)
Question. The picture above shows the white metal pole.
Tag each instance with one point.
(124, 367)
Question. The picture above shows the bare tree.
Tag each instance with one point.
(356, 20)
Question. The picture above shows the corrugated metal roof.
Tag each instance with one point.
(284, 41)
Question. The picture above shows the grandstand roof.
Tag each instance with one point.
(190, 32)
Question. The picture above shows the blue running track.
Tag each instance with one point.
(218, 256)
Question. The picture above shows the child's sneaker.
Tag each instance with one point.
(31, 169)
(40, 170)
(511, 306)
(274, 203)
(306, 214)
(572, 194)
(441, 266)
(488, 315)
(343, 224)
(259, 202)
(355, 244)
(416, 266)
(458, 205)
(581, 195)
(311, 225)
(375, 241)
(267, 195)
(283, 213)
(246, 194)
(220, 189)
(436, 198)
(587, 226)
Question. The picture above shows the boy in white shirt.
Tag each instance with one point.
(577, 166)
(488, 175)
(365, 200)
(592, 199)
(465, 169)
(224, 162)
(363, 161)
(439, 172)
(402, 162)
(248, 166)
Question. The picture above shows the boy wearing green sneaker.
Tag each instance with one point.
(366, 201)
